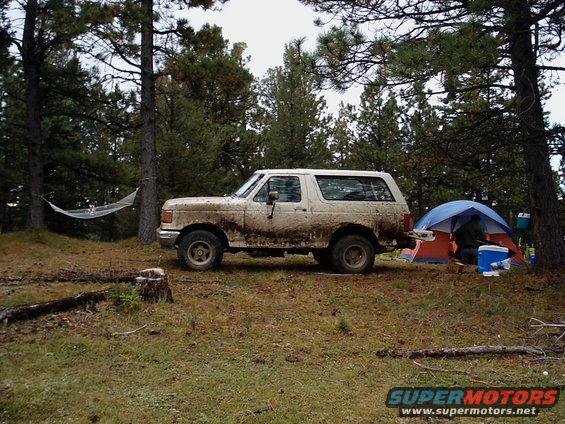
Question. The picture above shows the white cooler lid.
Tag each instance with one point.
(492, 248)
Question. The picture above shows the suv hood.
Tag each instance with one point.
(205, 204)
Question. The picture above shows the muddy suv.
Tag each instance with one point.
(342, 217)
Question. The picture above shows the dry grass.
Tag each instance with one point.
(261, 340)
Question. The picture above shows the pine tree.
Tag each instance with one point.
(47, 26)
(13, 158)
(204, 105)
(342, 137)
(86, 145)
(424, 180)
(294, 123)
(379, 144)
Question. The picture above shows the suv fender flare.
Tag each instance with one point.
(214, 229)
(349, 229)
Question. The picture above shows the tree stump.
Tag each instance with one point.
(153, 285)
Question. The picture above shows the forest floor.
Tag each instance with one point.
(261, 340)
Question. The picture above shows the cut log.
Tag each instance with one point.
(456, 352)
(151, 284)
(23, 312)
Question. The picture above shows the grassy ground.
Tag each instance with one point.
(259, 341)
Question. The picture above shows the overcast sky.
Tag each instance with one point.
(267, 25)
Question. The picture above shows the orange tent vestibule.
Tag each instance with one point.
(438, 251)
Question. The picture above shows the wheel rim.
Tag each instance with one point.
(199, 252)
(355, 256)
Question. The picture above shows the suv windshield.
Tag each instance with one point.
(248, 186)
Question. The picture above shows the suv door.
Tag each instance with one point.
(289, 224)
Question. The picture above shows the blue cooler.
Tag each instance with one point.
(489, 254)
(523, 221)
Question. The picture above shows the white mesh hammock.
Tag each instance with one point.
(98, 211)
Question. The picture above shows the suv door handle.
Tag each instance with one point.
(301, 209)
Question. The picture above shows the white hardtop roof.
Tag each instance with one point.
(323, 172)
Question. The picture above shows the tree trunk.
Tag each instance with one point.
(6, 184)
(34, 139)
(550, 248)
(148, 211)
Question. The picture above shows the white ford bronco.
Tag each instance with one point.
(342, 217)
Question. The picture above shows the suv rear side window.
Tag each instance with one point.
(288, 188)
(351, 188)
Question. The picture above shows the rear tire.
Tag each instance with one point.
(200, 251)
(353, 254)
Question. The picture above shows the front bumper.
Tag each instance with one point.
(167, 238)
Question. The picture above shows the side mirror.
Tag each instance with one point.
(272, 197)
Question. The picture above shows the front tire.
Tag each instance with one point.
(353, 254)
(200, 251)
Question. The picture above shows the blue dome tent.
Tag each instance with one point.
(445, 219)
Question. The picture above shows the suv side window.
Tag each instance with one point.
(367, 189)
(288, 188)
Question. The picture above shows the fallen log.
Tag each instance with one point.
(106, 276)
(456, 352)
(151, 284)
(34, 310)
(73, 275)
